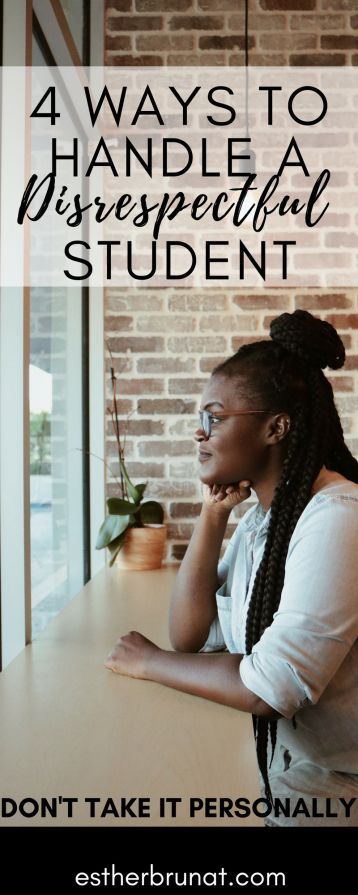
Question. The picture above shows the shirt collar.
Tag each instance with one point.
(256, 519)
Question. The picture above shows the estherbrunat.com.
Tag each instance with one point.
(109, 876)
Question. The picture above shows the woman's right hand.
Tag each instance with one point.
(226, 497)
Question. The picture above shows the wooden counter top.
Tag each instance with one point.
(72, 728)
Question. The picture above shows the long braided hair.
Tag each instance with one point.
(286, 373)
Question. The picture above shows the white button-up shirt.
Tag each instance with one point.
(306, 660)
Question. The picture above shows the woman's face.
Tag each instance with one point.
(238, 447)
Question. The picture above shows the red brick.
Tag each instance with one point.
(351, 362)
(322, 302)
(339, 42)
(115, 324)
(340, 240)
(339, 5)
(196, 23)
(165, 365)
(283, 41)
(343, 321)
(221, 6)
(317, 22)
(186, 386)
(200, 58)
(207, 364)
(142, 470)
(163, 5)
(204, 302)
(341, 383)
(347, 340)
(165, 405)
(227, 42)
(169, 488)
(124, 406)
(181, 531)
(265, 301)
(156, 324)
(112, 452)
(122, 364)
(118, 6)
(140, 386)
(135, 23)
(136, 343)
(328, 259)
(138, 427)
(164, 42)
(137, 60)
(245, 340)
(228, 324)
(196, 344)
(117, 43)
(259, 59)
(317, 59)
(165, 448)
(262, 22)
(117, 301)
(183, 510)
(284, 5)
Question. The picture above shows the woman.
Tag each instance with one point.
(282, 600)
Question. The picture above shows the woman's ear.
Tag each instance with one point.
(279, 427)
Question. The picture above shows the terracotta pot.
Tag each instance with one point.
(143, 548)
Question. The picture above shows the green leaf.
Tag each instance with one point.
(111, 528)
(115, 546)
(132, 490)
(118, 507)
(151, 513)
(141, 488)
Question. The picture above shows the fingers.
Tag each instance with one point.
(220, 492)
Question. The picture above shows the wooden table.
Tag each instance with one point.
(71, 728)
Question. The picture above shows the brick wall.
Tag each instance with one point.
(165, 341)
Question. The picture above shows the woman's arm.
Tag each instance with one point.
(193, 603)
(213, 676)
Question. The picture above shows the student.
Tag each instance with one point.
(271, 628)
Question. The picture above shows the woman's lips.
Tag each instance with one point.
(203, 456)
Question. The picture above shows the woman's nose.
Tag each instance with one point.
(199, 435)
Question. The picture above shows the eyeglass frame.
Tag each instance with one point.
(210, 416)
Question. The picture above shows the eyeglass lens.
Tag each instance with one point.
(205, 421)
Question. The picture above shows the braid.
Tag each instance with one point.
(286, 372)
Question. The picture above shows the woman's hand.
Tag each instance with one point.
(131, 655)
(226, 497)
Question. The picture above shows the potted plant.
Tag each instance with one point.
(133, 531)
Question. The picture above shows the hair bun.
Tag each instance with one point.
(314, 341)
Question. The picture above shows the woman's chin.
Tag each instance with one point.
(207, 478)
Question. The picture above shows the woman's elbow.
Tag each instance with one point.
(182, 644)
(264, 710)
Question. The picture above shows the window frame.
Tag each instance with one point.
(15, 583)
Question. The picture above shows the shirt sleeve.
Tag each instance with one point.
(215, 641)
(316, 623)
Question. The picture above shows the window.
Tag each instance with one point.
(48, 513)
(76, 12)
(58, 486)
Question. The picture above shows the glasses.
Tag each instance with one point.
(207, 417)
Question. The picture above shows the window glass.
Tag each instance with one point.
(75, 14)
(55, 451)
(56, 420)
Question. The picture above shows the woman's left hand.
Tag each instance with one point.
(131, 655)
